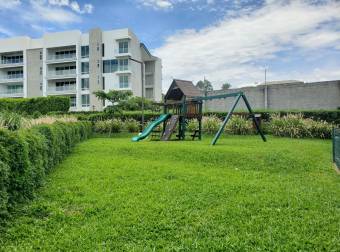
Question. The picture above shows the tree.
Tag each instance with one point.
(116, 97)
(226, 86)
(205, 85)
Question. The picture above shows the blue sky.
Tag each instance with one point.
(221, 40)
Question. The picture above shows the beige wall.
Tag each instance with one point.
(95, 61)
(34, 78)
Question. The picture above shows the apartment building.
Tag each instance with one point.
(74, 64)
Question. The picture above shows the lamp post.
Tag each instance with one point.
(142, 74)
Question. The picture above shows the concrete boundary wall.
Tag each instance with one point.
(284, 96)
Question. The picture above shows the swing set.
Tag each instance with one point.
(183, 102)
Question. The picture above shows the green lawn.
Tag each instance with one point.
(241, 194)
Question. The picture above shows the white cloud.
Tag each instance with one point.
(230, 50)
(5, 32)
(73, 5)
(53, 14)
(170, 4)
(157, 4)
(9, 4)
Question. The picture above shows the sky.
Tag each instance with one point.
(224, 41)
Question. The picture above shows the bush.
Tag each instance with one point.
(27, 155)
(211, 124)
(33, 106)
(108, 126)
(295, 126)
(192, 125)
(238, 125)
(10, 120)
(132, 125)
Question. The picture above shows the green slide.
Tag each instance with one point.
(150, 127)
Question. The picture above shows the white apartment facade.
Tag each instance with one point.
(74, 64)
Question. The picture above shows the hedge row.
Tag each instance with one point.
(26, 156)
(331, 116)
(40, 105)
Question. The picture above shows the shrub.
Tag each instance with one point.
(10, 120)
(239, 125)
(4, 174)
(192, 125)
(295, 126)
(31, 106)
(211, 124)
(27, 155)
(109, 126)
(132, 125)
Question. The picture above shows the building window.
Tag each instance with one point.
(41, 86)
(123, 81)
(85, 51)
(110, 66)
(149, 93)
(123, 47)
(40, 56)
(85, 84)
(40, 70)
(65, 86)
(123, 64)
(103, 50)
(73, 101)
(13, 89)
(15, 74)
(85, 100)
(85, 67)
(12, 59)
(103, 83)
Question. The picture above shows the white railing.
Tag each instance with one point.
(11, 78)
(11, 61)
(123, 68)
(12, 92)
(61, 89)
(62, 73)
(122, 51)
(62, 57)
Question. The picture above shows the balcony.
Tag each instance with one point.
(67, 89)
(123, 70)
(53, 58)
(122, 53)
(11, 63)
(13, 78)
(62, 74)
(12, 93)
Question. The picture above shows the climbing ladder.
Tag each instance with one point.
(170, 128)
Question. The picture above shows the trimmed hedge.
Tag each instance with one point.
(40, 105)
(331, 116)
(26, 156)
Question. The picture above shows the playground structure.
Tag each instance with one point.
(182, 102)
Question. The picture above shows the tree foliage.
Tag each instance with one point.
(205, 85)
(116, 97)
(226, 86)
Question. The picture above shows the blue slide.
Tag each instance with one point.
(150, 127)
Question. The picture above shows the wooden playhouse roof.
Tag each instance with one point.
(180, 88)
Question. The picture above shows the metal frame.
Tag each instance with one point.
(238, 96)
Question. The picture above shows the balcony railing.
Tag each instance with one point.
(18, 92)
(11, 78)
(62, 73)
(62, 89)
(122, 52)
(11, 61)
(55, 57)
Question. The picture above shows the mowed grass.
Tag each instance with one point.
(242, 194)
